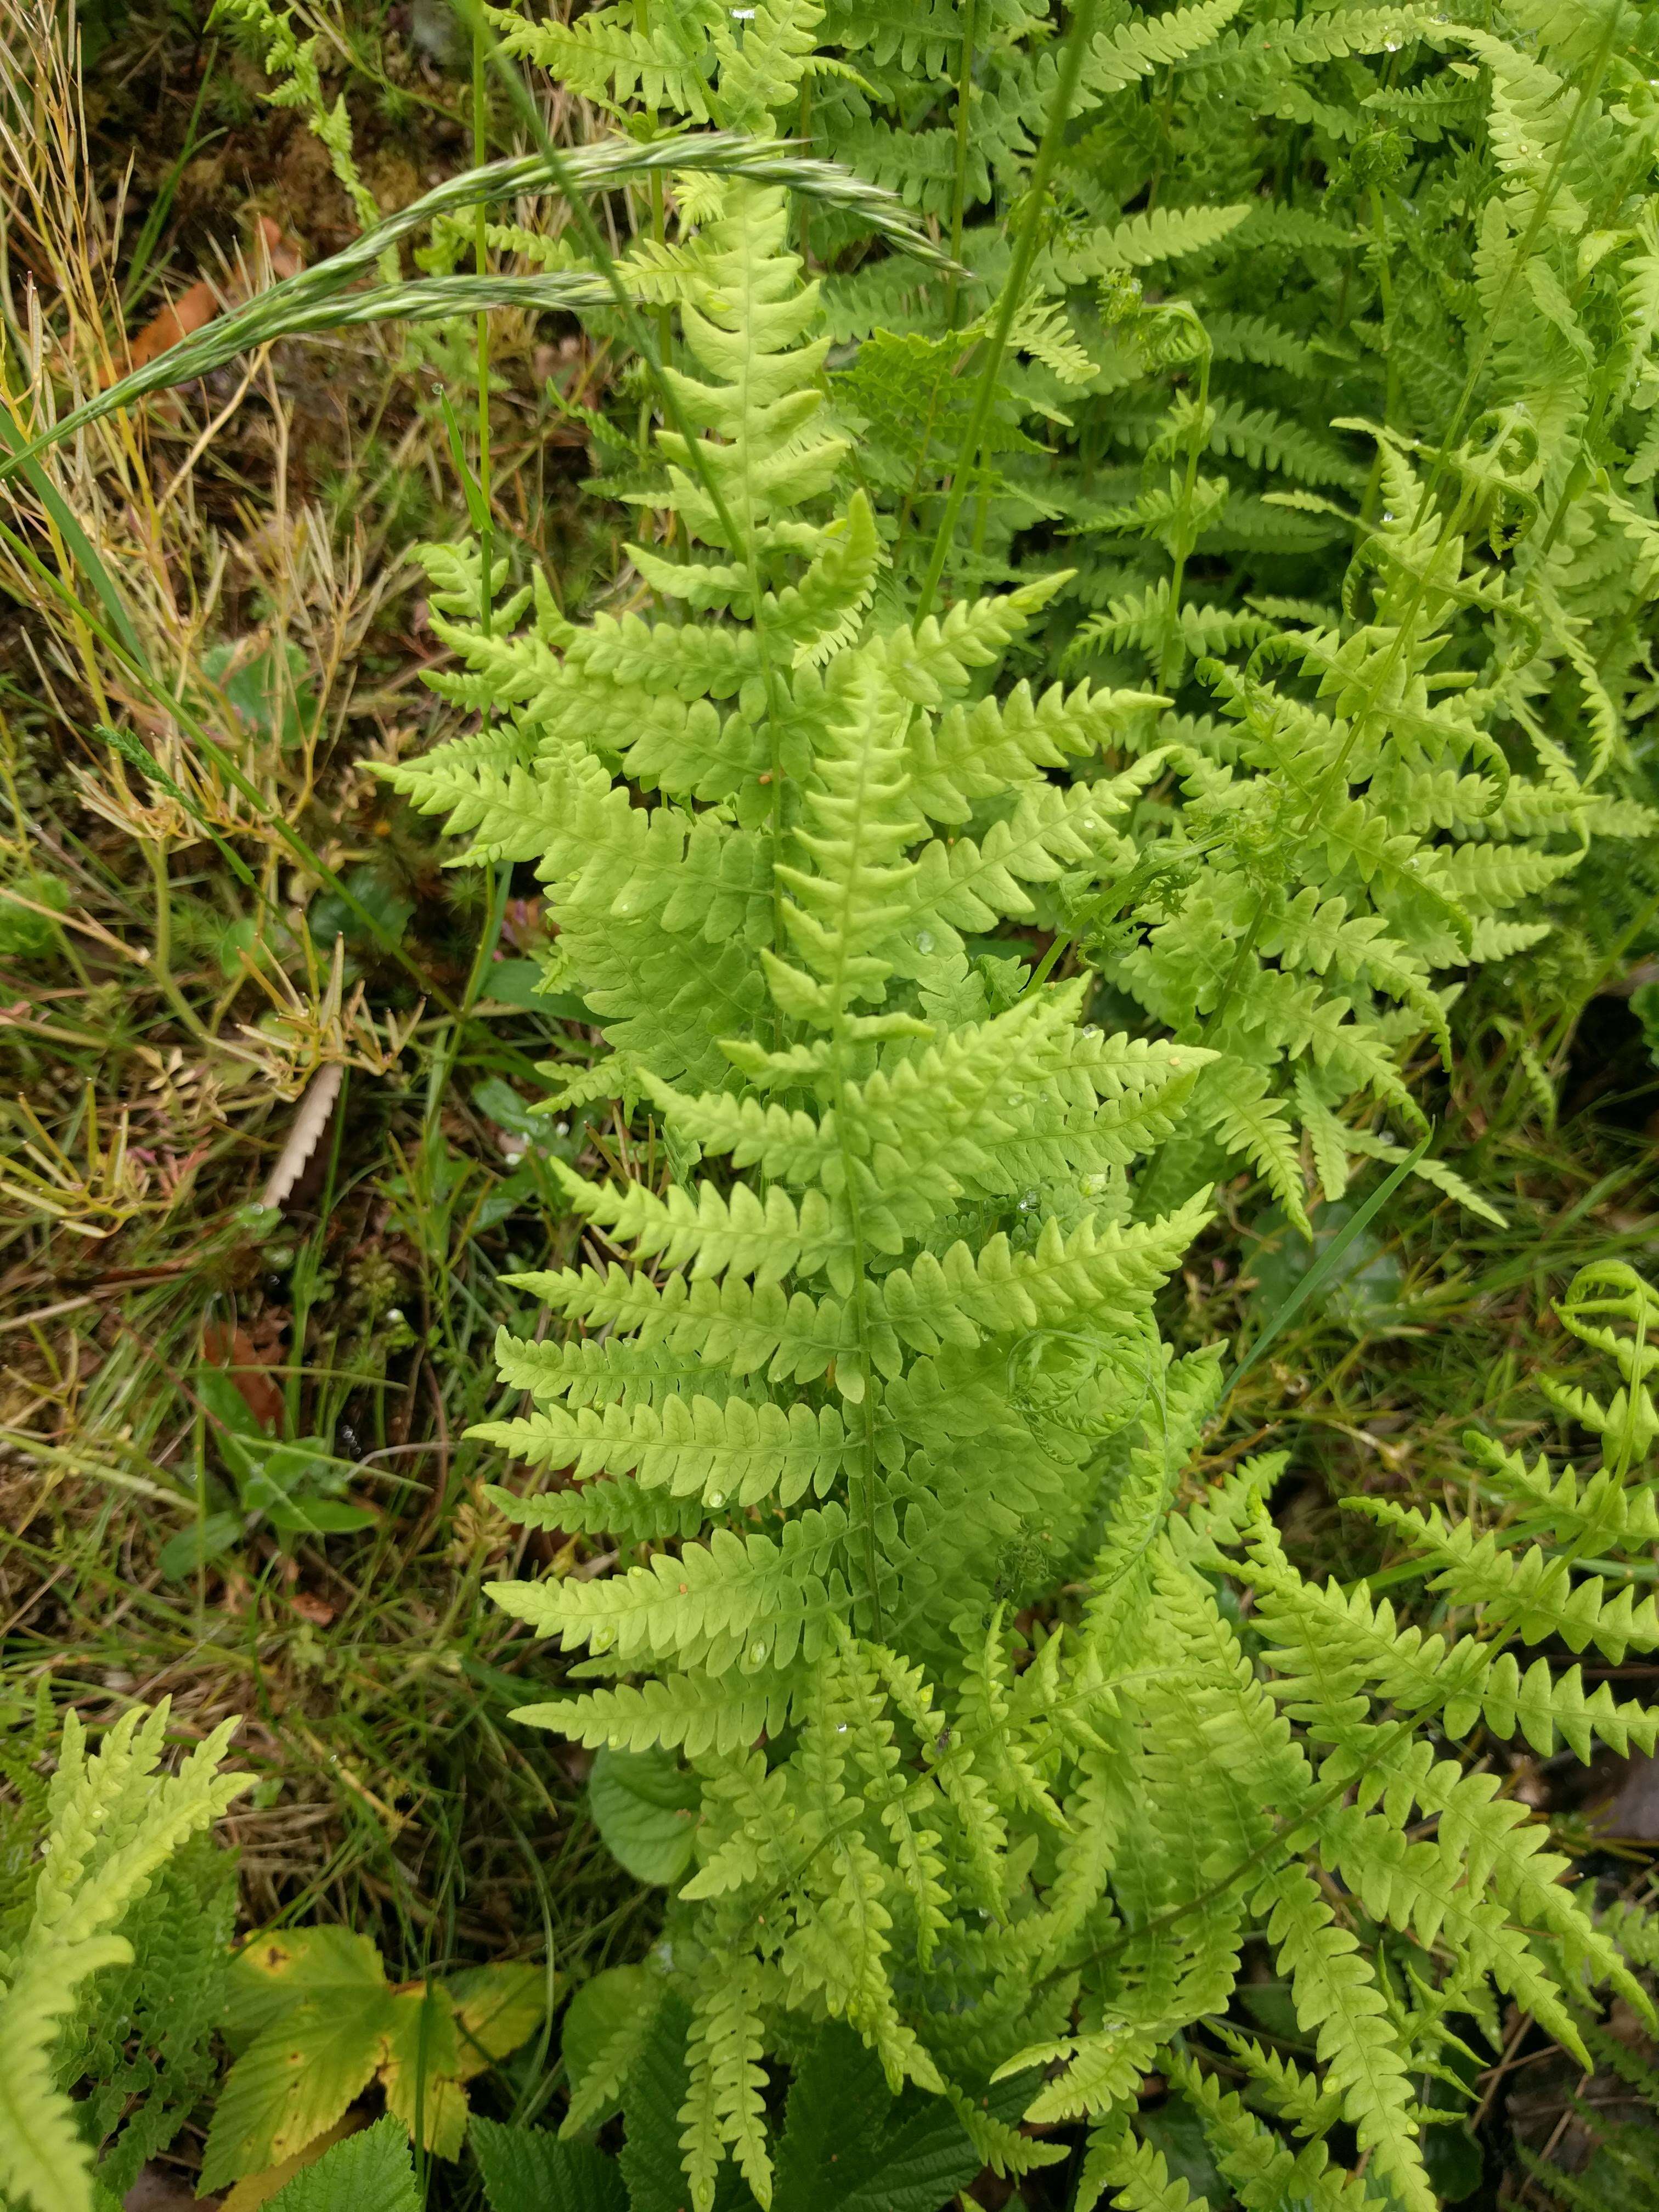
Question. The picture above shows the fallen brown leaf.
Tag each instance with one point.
(189, 313)
(246, 1364)
(197, 306)
(286, 258)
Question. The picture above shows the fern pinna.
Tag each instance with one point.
(1398, 264)
(1389, 779)
(882, 1371)
(113, 1926)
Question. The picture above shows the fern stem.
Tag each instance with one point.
(1013, 291)
(1169, 660)
(861, 1324)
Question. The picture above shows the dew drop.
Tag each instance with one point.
(717, 1498)
(1029, 1201)
(1089, 822)
(756, 1653)
(1091, 1029)
(924, 940)
(841, 1727)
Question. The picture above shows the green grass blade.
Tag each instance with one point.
(313, 299)
(80, 546)
(1323, 1272)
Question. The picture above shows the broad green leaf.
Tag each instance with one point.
(267, 689)
(373, 911)
(849, 2146)
(496, 2009)
(309, 1516)
(193, 1547)
(645, 1807)
(289, 1966)
(235, 1423)
(422, 2064)
(254, 2193)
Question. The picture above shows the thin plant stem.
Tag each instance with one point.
(959, 180)
(481, 266)
(161, 947)
(1013, 292)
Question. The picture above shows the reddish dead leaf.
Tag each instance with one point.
(286, 258)
(189, 313)
(246, 1364)
(317, 1610)
(196, 307)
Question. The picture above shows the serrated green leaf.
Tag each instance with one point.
(368, 2172)
(287, 1968)
(293, 2082)
(530, 2170)
(850, 2146)
(496, 2009)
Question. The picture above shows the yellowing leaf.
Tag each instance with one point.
(299, 1965)
(293, 2082)
(258, 2190)
(496, 2009)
